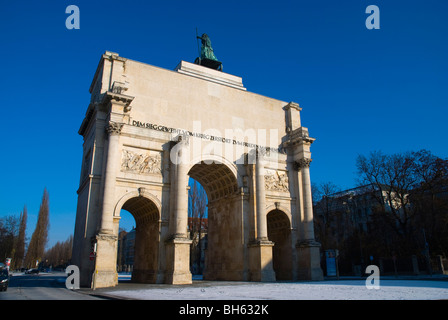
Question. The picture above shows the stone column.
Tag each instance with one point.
(180, 212)
(105, 274)
(308, 228)
(262, 229)
(113, 129)
(260, 250)
(307, 248)
(178, 244)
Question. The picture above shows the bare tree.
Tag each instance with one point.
(430, 201)
(8, 235)
(325, 214)
(390, 178)
(405, 186)
(60, 254)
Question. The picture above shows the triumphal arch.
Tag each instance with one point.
(147, 130)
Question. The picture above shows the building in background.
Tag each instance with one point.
(125, 254)
(348, 221)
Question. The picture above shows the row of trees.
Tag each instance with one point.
(59, 255)
(13, 237)
(399, 209)
(415, 210)
(13, 241)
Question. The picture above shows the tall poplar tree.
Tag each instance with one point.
(19, 254)
(40, 235)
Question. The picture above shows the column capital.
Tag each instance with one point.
(302, 163)
(114, 128)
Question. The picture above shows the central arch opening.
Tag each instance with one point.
(143, 239)
(224, 246)
(197, 226)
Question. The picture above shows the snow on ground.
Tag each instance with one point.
(325, 290)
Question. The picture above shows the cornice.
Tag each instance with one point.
(297, 137)
(118, 98)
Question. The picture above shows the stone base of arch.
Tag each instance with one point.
(105, 273)
(178, 261)
(105, 279)
(261, 266)
(308, 253)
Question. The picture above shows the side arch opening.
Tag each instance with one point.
(141, 244)
(279, 232)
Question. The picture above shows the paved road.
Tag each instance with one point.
(41, 287)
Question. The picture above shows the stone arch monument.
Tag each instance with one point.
(146, 131)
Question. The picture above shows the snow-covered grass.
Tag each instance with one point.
(324, 290)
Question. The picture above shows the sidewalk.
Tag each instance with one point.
(346, 288)
(436, 277)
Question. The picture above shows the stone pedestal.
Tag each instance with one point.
(308, 253)
(105, 274)
(260, 255)
(178, 261)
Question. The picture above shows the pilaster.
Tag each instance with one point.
(308, 250)
(178, 244)
(260, 249)
(113, 129)
(262, 230)
(116, 106)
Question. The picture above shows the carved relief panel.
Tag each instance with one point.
(276, 180)
(141, 161)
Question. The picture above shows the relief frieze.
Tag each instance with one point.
(276, 181)
(141, 162)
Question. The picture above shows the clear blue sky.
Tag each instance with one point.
(360, 89)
